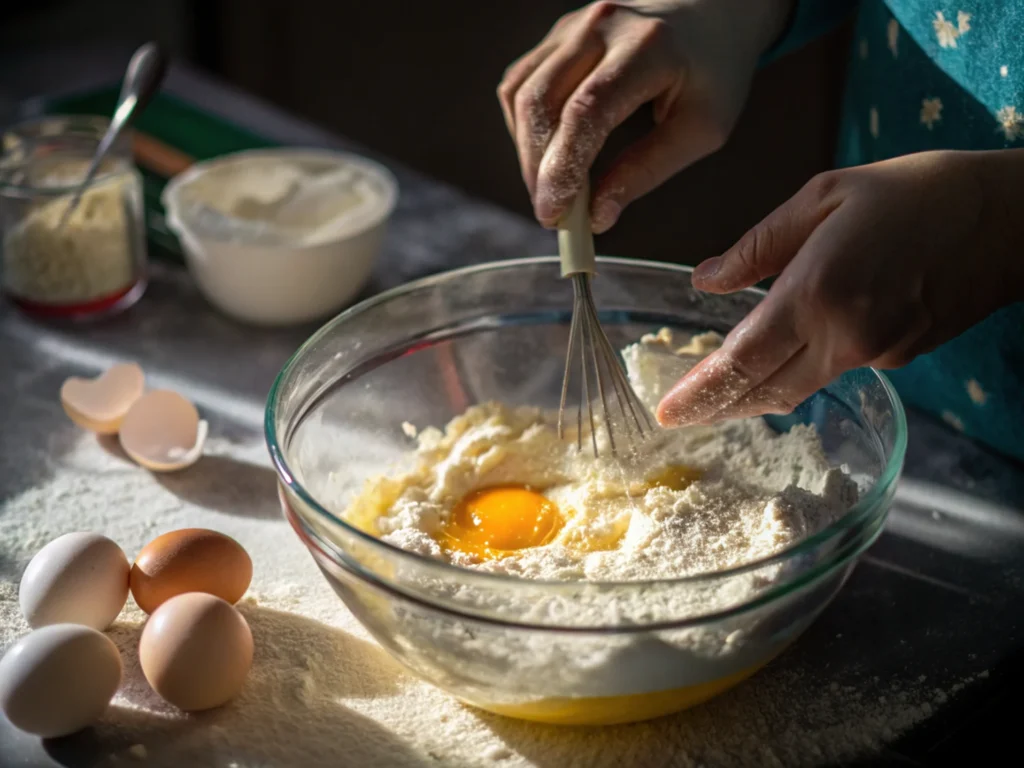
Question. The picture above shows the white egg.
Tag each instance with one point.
(59, 679)
(78, 578)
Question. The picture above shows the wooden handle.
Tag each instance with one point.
(155, 156)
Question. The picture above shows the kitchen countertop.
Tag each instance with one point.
(939, 597)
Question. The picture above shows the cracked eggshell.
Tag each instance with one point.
(162, 431)
(100, 404)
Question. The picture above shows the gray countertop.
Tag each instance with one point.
(939, 598)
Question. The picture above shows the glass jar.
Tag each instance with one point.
(93, 263)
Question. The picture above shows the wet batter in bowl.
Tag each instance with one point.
(498, 490)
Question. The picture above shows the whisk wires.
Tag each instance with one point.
(590, 353)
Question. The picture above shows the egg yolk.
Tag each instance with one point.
(675, 477)
(491, 522)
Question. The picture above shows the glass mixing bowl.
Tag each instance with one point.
(562, 652)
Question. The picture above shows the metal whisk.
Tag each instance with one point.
(587, 340)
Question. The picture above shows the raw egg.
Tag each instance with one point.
(59, 679)
(195, 651)
(190, 560)
(162, 431)
(78, 578)
(100, 404)
(493, 521)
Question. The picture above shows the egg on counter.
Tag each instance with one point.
(59, 679)
(196, 651)
(190, 560)
(162, 431)
(78, 578)
(100, 404)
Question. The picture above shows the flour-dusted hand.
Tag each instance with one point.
(693, 59)
(876, 265)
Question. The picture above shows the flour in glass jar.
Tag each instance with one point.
(92, 256)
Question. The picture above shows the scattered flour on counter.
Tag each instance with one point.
(322, 694)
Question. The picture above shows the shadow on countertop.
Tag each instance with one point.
(218, 483)
(287, 714)
(227, 485)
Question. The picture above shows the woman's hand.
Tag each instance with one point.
(692, 58)
(876, 265)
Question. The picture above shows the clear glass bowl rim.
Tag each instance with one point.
(859, 513)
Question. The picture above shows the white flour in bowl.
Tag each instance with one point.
(688, 501)
(693, 501)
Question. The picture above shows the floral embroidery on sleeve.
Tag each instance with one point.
(892, 33)
(931, 112)
(976, 393)
(946, 32)
(1011, 123)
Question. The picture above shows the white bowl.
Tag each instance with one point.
(282, 284)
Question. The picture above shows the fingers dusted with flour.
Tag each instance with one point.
(860, 282)
(692, 60)
(757, 350)
(627, 77)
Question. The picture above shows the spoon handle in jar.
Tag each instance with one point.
(142, 80)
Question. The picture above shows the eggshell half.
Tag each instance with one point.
(196, 651)
(78, 578)
(59, 679)
(100, 404)
(190, 560)
(162, 431)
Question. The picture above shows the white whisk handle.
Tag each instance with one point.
(575, 239)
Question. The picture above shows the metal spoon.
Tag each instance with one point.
(141, 81)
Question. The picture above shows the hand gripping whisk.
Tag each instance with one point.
(590, 353)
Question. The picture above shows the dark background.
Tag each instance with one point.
(416, 80)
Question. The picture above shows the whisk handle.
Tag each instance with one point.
(575, 239)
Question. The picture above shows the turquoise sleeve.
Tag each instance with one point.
(808, 20)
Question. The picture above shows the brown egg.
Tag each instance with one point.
(162, 431)
(190, 560)
(100, 404)
(196, 651)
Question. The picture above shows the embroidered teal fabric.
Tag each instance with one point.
(939, 75)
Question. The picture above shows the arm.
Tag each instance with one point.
(872, 266)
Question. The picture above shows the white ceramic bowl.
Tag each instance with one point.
(282, 284)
